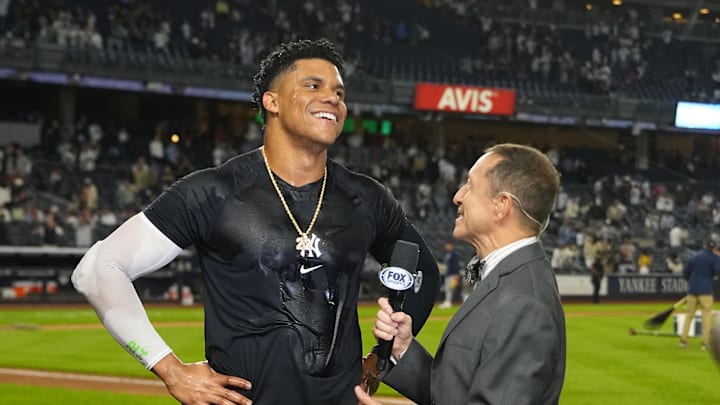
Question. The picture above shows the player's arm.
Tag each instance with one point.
(105, 275)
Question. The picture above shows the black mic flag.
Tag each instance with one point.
(397, 277)
(409, 290)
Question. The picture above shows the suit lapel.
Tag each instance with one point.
(490, 283)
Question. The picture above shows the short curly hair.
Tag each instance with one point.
(282, 58)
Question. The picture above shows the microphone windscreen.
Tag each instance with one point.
(405, 255)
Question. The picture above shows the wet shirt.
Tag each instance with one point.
(284, 319)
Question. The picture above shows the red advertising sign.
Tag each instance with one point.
(464, 99)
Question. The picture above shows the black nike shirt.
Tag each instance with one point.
(283, 319)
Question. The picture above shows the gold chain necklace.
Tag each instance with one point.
(304, 243)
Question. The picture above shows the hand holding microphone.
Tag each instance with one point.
(394, 327)
(397, 278)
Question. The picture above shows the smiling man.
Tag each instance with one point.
(281, 234)
(506, 342)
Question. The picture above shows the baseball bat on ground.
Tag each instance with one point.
(659, 319)
(634, 331)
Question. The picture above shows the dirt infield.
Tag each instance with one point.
(138, 386)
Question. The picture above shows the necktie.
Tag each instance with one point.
(473, 270)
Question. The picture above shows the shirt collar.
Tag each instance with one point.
(496, 256)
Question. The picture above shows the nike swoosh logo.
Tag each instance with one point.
(304, 270)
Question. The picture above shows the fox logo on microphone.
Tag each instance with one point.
(396, 278)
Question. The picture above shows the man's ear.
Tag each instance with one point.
(502, 202)
(269, 100)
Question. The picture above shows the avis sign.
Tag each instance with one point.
(464, 99)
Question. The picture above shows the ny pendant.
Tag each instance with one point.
(308, 246)
(303, 243)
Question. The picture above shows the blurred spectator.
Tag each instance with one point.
(5, 193)
(644, 262)
(89, 195)
(19, 192)
(71, 216)
(665, 203)
(667, 221)
(423, 200)
(84, 229)
(56, 182)
(17, 163)
(589, 251)
(173, 154)
(652, 221)
(607, 254)
(4, 237)
(124, 195)
(88, 156)
(156, 151)
(716, 214)
(452, 275)
(677, 236)
(673, 263)
(615, 213)
(6, 217)
(562, 199)
(49, 232)
(143, 175)
(628, 253)
(107, 217)
(565, 257)
(221, 152)
(118, 148)
(572, 208)
(168, 177)
(635, 194)
(597, 272)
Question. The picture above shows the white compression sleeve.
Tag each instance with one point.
(105, 274)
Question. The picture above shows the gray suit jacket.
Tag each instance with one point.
(505, 345)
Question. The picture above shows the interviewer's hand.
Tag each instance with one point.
(389, 324)
(198, 384)
(364, 398)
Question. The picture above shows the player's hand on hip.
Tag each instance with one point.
(389, 325)
(364, 398)
(198, 384)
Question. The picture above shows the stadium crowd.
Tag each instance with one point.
(76, 187)
(538, 47)
(81, 182)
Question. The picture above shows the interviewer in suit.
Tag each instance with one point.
(506, 343)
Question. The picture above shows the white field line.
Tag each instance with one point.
(79, 377)
(125, 380)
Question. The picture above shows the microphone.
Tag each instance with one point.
(397, 277)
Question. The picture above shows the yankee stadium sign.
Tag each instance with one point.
(464, 99)
(636, 286)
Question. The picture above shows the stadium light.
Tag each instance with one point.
(617, 2)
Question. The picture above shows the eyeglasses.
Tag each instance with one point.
(530, 217)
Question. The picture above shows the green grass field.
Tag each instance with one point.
(605, 363)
